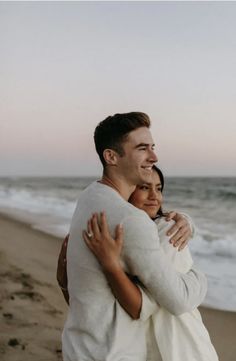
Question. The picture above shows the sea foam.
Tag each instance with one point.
(49, 203)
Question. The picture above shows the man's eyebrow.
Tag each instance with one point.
(144, 145)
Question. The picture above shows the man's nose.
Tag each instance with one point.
(153, 156)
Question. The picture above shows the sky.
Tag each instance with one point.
(65, 66)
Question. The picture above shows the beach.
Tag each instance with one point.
(33, 310)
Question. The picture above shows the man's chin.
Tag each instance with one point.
(146, 178)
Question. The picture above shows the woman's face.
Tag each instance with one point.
(148, 196)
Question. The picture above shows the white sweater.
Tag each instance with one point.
(97, 328)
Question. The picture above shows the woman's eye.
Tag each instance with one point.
(144, 188)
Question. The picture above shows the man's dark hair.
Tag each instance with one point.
(114, 130)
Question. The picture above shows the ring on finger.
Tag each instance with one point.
(90, 234)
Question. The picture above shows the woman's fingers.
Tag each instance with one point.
(178, 234)
(104, 225)
(98, 236)
(89, 228)
(119, 236)
(170, 215)
(183, 234)
(182, 241)
(98, 226)
(174, 231)
(119, 232)
(183, 245)
(93, 227)
(88, 240)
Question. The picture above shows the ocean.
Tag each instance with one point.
(48, 204)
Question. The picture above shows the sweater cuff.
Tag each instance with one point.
(149, 306)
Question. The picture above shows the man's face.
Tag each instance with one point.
(139, 156)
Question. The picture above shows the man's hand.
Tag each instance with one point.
(180, 232)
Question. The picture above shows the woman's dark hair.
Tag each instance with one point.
(160, 212)
(159, 172)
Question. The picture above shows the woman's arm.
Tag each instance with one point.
(62, 270)
(107, 251)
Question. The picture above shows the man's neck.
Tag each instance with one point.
(118, 184)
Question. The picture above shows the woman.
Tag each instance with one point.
(169, 337)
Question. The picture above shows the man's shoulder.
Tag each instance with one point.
(98, 197)
(96, 191)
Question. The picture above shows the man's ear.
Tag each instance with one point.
(110, 156)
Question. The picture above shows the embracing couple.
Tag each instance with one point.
(132, 292)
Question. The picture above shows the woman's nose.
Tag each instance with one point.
(153, 194)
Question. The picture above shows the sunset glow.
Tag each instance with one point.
(65, 66)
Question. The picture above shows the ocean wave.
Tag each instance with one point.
(48, 204)
(226, 194)
(36, 202)
(225, 248)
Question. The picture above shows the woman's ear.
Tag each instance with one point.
(110, 156)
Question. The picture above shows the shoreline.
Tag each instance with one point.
(32, 307)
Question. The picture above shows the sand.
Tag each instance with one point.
(32, 309)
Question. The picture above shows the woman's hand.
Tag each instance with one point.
(98, 238)
(107, 250)
(180, 232)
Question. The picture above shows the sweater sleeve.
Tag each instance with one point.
(144, 257)
(149, 306)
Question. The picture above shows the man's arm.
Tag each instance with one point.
(178, 293)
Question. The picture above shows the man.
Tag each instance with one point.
(97, 328)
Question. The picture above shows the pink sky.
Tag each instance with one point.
(66, 66)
